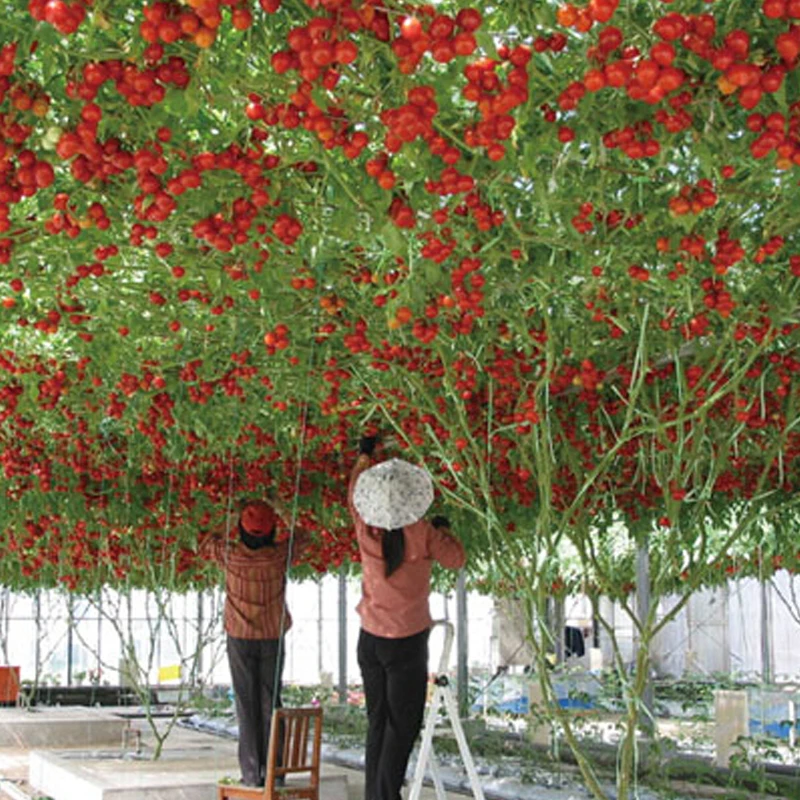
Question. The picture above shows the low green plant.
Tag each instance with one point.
(696, 693)
(345, 725)
(211, 704)
(609, 697)
(748, 763)
(297, 695)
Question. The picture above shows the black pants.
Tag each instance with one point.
(395, 674)
(256, 677)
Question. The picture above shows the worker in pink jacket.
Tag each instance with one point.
(398, 546)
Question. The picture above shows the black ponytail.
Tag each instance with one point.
(393, 544)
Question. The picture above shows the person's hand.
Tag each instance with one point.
(204, 541)
(440, 522)
(367, 445)
(280, 507)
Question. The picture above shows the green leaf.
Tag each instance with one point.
(394, 239)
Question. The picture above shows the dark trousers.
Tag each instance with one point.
(256, 677)
(395, 674)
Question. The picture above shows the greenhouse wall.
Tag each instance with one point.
(35, 633)
(744, 628)
(741, 628)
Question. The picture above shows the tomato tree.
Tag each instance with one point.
(551, 247)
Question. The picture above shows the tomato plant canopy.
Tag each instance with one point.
(553, 248)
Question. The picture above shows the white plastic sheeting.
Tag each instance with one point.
(739, 628)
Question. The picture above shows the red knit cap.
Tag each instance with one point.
(258, 518)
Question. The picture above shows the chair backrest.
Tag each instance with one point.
(293, 730)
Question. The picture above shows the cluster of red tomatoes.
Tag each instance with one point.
(688, 64)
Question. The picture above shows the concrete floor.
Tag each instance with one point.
(188, 757)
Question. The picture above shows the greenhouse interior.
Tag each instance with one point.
(399, 399)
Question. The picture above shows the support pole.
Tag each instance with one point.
(726, 646)
(37, 655)
(99, 665)
(70, 623)
(320, 629)
(643, 612)
(201, 642)
(6, 617)
(462, 646)
(690, 659)
(766, 636)
(558, 628)
(342, 637)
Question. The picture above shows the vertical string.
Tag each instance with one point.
(295, 506)
(229, 507)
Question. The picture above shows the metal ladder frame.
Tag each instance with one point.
(443, 696)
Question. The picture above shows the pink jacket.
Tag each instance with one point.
(397, 606)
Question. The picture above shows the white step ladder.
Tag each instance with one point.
(443, 696)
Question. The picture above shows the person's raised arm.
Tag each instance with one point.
(366, 448)
(207, 545)
(211, 544)
(301, 535)
(292, 523)
(443, 545)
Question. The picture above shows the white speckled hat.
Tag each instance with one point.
(393, 494)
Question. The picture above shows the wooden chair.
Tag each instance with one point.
(291, 732)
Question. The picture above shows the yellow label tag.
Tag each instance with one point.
(171, 673)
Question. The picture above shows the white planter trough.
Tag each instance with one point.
(185, 774)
